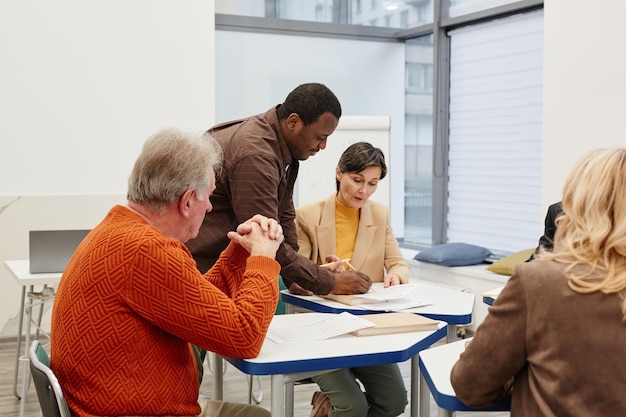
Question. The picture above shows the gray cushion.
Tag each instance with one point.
(454, 254)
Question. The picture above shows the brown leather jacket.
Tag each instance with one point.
(257, 177)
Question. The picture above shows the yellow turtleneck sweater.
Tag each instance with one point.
(346, 227)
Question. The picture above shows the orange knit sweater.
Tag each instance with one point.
(129, 303)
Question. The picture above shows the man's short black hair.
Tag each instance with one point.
(309, 101)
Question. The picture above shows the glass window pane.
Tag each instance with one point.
(253, 8)
(494, 162)
(418, 143)
(401, 14)
(463, 7)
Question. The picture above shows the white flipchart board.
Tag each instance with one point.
(316, 177)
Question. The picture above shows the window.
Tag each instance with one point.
(424, 13)
(404, 19)
(418, 145)
(419, 77)
(353, 12)
(462, 7)
(494, 182)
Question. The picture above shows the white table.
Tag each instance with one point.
(453, 307)
(435, 365)
(490, 296)
(20, 271)
(289, 362)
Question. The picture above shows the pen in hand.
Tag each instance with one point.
(347, 261)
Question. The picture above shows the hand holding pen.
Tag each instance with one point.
(336, 265)
(348, 281)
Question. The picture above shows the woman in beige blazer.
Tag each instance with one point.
(346, 225)
(376, 252)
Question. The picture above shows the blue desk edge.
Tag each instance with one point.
(288, 367)
(452, 403)
(321, 308)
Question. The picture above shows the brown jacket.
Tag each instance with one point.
(565, 351)
(257, 177)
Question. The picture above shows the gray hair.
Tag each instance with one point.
(171, 162)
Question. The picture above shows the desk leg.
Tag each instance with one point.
(451, 337)
(41, 306)
(289, 387)
(278, 396)
(417, 401)
(26, 370)
(218, 377)
(289, 308)
(424, 395)
(19, 344)
(444, 413)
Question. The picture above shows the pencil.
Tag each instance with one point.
(347, 261)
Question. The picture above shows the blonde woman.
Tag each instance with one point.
(556, 336)
(348, 225)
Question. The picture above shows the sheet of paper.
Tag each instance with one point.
(390, 293)
(325, 328)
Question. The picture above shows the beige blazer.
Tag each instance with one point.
(376, 249)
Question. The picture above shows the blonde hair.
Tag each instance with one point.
(591, 231)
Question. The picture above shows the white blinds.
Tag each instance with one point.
(496, 80)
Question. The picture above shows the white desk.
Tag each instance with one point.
(435, 365)
(453, 307)
(289, 362)
(490, 296)
(20, 271)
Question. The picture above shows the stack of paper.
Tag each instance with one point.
(329, 325)
(392, 298)
(387, 323)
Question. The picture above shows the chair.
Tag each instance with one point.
(49, 391)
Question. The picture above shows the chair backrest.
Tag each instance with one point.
(280, 307)
(49, 391)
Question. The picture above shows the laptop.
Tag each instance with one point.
(51, 250)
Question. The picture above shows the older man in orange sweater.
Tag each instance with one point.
(131, 299)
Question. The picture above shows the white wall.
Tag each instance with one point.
(584, 85)
(82, 85)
